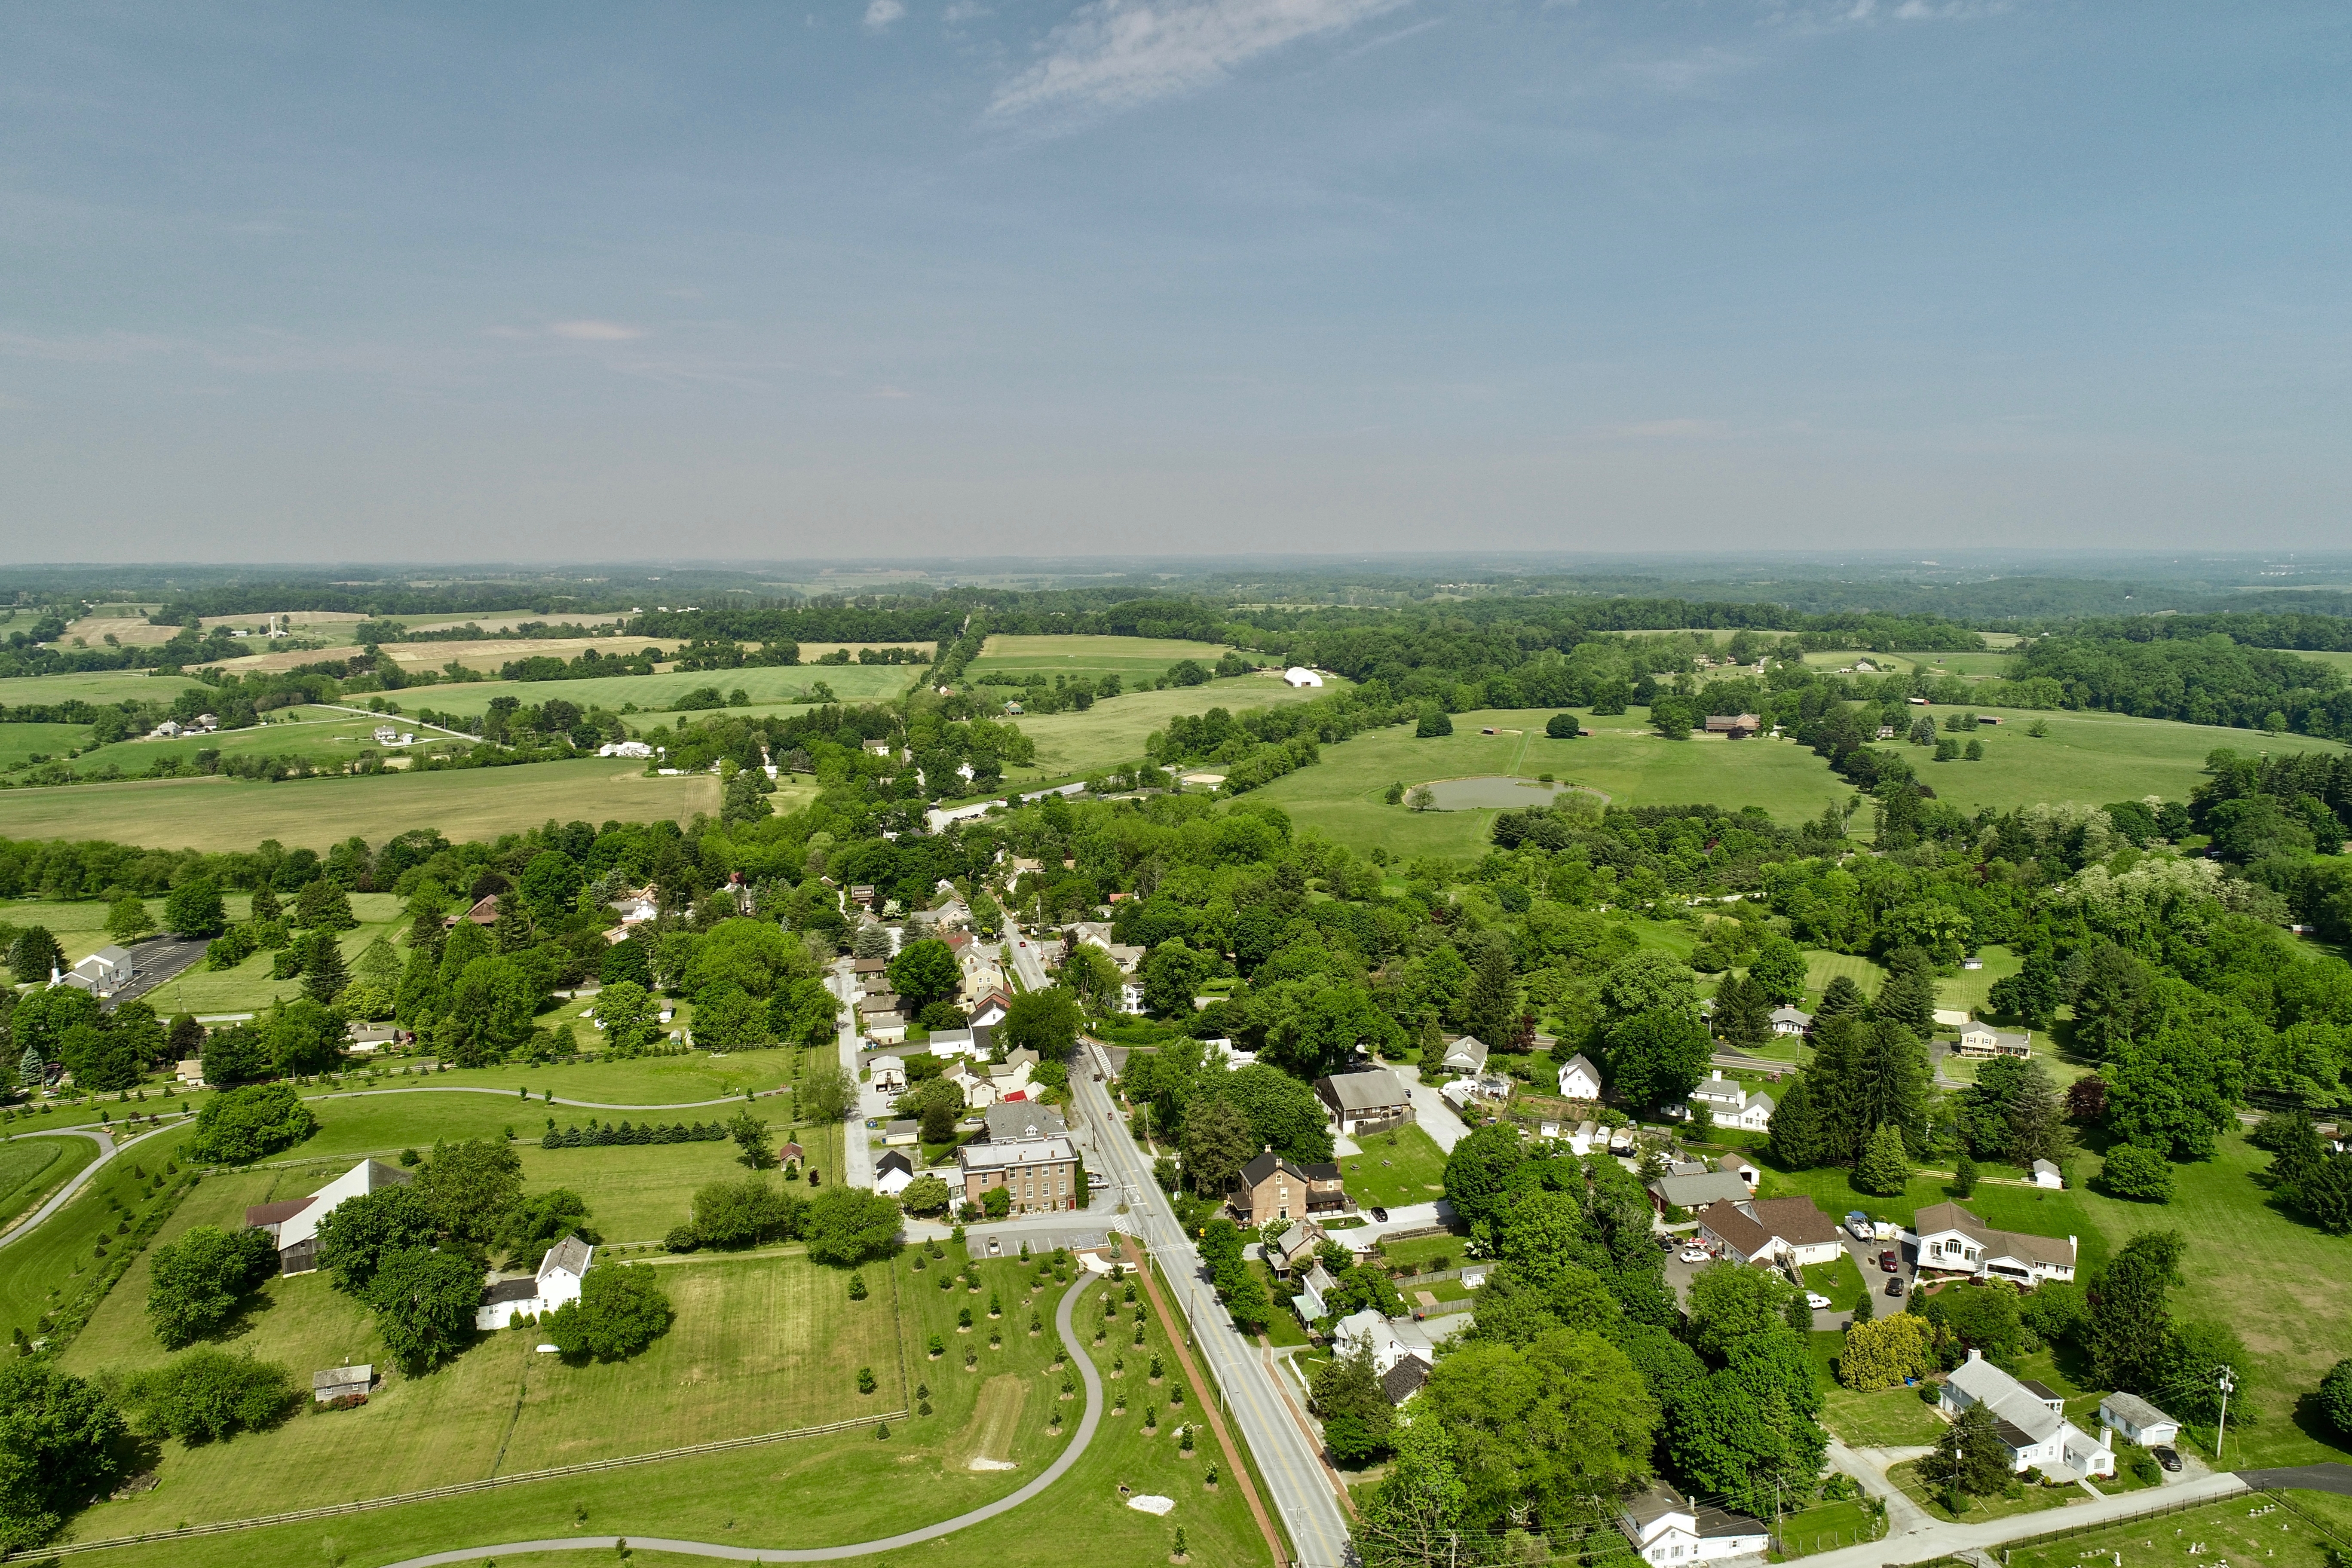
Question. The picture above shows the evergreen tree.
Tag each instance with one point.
(265, 906)
(1801, 1138)
(1490, 1007)
(1743, 1011)
(1907, 999)
(1840, 998)
(1891, 1082)
(1884, 1168)
(35, 955)
(324, 974)
(2131, 1316)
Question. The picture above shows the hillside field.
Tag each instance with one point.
(101, 686)
(216, 814)
(1111, 733)
(1129, 658)
(768, 687)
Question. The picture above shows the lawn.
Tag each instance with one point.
(2031, 1210)
(1841, 1281)
(2223, 1532)
(1111, 733)
(1982, 1510)
(1822, 966)
(32, 1168)
(216, 814)
(1426, 1251)
(1825, 1527)
(832, 1490)
(1395, 1168)
(248, 988)
(55, 1268)
(759, 1345)
(1883, 1418)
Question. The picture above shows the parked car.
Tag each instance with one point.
(1894, 1286)
(2169, 1458)
(995, 1247)
(1817, 1301)
(1694, 1254)
(1381, 1215)
(1890, 1260)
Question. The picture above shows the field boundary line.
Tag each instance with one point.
(460, 1489)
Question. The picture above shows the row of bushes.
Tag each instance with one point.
(597, 1137)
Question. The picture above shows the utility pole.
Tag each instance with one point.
(2228, 1380)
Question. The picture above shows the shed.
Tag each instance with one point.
(338, 1382)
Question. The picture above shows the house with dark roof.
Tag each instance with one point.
(1014, 1120)
(1667, 1527)
(1271, 1188)
(1405, 1379)
(1772, 1230)
(556, 1284)
(1953, 1241)
(293, 1222)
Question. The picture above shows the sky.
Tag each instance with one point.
(449, 282)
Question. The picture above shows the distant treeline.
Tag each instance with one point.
(2314, 632)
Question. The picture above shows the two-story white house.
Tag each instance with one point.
(1953, 1241)
(1579, 1079)
(2030, 1419)
(1667, 1528)
(557, 1283)
(1731, 1103)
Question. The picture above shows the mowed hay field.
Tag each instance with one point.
(769, 687)
(759, 1344)
(214, 813)
(102, 686)
(1094, 657)
(1111, 733)
(2091, 758)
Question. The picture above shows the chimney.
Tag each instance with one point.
(1975, 1354)
(2107, 1438)
(1719, 1075)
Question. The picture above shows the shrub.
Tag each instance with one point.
(208, 1395)
(200, 1280)
(858, 1286)
(2335, 1395)
(243, 1125)
(2142, 1174)
(621, 1310)
(865, 1380)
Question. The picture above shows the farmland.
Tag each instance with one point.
(217, 814)
(1111, 733)
(1129, 658)
(769, 687)
(104, 686)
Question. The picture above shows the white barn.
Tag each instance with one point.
(1300, 675)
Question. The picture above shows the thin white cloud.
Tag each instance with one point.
(880, 13)
(595, 331)
(1669, 430)
(1115, 54)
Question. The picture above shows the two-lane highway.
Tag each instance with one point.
(1295, 1477)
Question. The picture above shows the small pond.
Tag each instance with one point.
(1466, 794)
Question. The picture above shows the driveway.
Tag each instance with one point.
(1428, 1109)
(1409, 1216)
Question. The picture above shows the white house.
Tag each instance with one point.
(1579, 1080)
(1791, 1021)
(293, 1222)
(1953, 1241)
(1731, 1105)
(2138, 1420)
(1770, 1230)
(1975, 1040)
(1582, 1136)
(1389, 1339)
(1300, 675)
(557, 1283)
(888, 1074)
(1312, 1287)
(637, 748)
(893, 1173)
(1466, 1055)
(104, 973)
(2030, 1419)
(1666, 1527)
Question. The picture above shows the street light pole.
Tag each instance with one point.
(2228, 1380)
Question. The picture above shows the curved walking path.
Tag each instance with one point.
(545, 1099)
(1053, 1472)
(107, 1150)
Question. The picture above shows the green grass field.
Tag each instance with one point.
(321, 735)
(2092, 758)
(216, 814)
(105, 686)
(2225, 1532)
(759, 1345)
(1129, 658)
(812, 1494)
(1883, 1418)
(23, 743)
(771, 685)
(1405, 1166)
(33, 1168)
(1111, 733)
(1982, 1510)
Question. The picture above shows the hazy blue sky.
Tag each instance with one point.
(485, 280)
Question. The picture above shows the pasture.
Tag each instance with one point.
(23, 743)
(325, 737)
(768, 687)
(1111, 733)
(215, 814)
(101, 686)
(1129, 658)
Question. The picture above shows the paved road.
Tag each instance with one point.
(108, 1150)
(1293, 1469)
(1430, 1111)
(542, 1098)
(1028, 958)
(1053, 1472)
(2337, 1478)
(857, 1158)
(1936, 1539)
